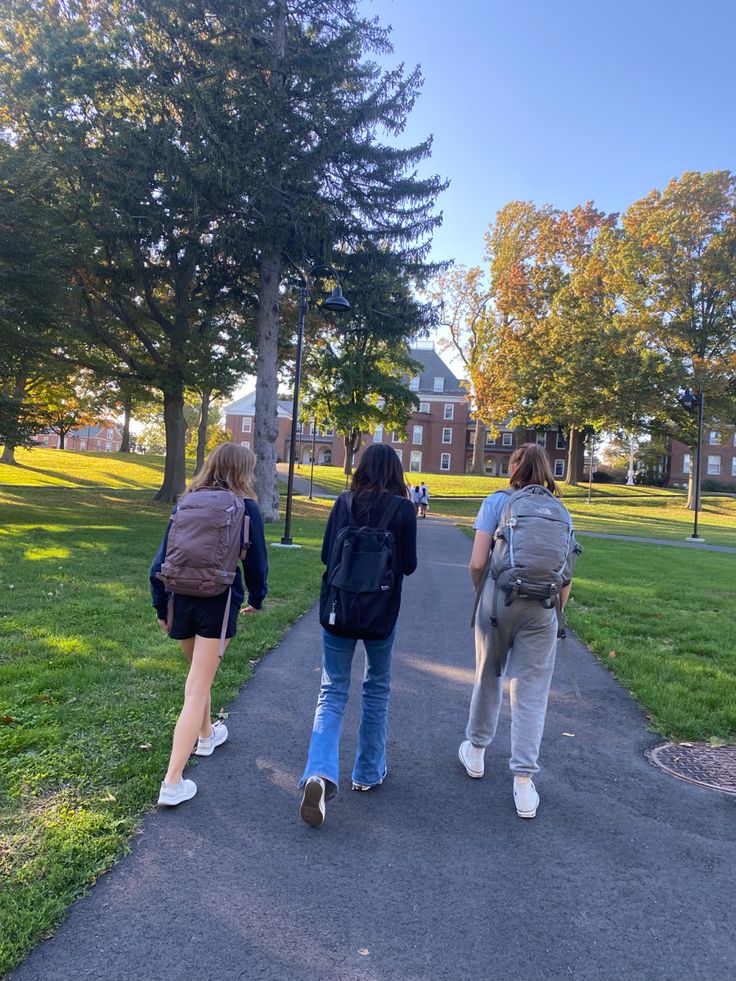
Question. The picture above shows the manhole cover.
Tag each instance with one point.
(708, 766)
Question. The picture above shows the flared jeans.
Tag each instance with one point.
(324, 747)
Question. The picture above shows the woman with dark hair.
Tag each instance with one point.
(516, 639)
(377, 482)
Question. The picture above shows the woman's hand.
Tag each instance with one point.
(245, 610)
(164, 626)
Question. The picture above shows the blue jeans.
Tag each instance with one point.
(324, 746)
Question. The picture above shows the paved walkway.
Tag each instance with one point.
(626, 873)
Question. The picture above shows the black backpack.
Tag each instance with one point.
(358, 596)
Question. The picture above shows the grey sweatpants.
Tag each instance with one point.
(526, 640)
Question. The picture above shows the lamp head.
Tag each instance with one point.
(687, 400)
(336, 302)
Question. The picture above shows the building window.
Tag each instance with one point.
(83, 444)
(714, 465)
(414, 384)
(245, 443)
(449, 410)
(686, 463)
(396, 438)
(733, 466)
(444, 461)
(439, 383)
(507, 439)
(447, 435)
(415, 463)
(559, 468)
(734, 439)
(108, 446)
(110, 433)
(325, 456)
(378, 435)
(424, 407)
(416, 437)
(560, 442)
(398, 454)
(505, 468)
(714, 437)
(542, 440)
(328, 431)
(247, 423)
(490, 440)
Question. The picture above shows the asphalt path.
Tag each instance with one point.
(626, 873)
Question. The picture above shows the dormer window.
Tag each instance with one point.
(414, 384)
(439, 383)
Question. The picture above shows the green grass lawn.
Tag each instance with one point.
(90, 688)
(64, 468)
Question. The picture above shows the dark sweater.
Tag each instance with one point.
(255, 567)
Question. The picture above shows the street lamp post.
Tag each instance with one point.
(337, 303)
(688, 400)
(311, 468)
(630, 475)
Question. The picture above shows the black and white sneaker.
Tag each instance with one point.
(312, 809)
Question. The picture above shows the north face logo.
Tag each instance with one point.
(543, 511)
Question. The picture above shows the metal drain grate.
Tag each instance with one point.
(708, 766)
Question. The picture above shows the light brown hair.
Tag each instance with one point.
(532, 467)
(228, 465)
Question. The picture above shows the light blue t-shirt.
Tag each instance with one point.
(490, 512)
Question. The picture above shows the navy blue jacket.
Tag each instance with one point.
(255, 567)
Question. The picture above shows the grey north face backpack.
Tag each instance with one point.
(207, 539)
(534, 552)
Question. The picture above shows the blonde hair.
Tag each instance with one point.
(532, 467)
(228, 465)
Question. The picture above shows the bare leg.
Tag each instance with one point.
(205, 732)
(205, 662)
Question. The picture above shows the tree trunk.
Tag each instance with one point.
(351, 444)
(266, 424)
(204, 411)
(127, 409)
(62, 439)
(479, 448)
(175, 474)
(573, 438)
(19, 391)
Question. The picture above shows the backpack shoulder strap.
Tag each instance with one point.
(349, 505)
(391, 509)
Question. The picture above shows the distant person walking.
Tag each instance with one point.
(369, 546)
(415, 498)
(423, 500)
(197, 591)
(521, 565)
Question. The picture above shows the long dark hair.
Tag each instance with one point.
(379, 472)
(532, 467)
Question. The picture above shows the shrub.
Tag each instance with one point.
(602, 477)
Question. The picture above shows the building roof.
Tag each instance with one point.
(434, 367)
(246, 406)
(89, 432)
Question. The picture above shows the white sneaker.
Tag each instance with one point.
(526, 798)
(312, 808)
(206, 747)
(173, 794)
(471, 758)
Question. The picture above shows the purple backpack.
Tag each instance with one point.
(207, 538)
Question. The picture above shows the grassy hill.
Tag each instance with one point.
(65, 468)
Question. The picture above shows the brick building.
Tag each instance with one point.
(440, 433)
(717, 457)
(105, 437)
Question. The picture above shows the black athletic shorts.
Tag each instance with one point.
(193, 615)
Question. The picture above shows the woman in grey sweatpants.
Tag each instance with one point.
(522, 644)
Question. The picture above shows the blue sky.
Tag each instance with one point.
(564, 102)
